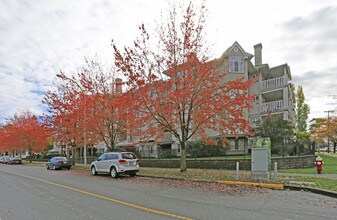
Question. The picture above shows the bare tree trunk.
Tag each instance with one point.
(112, 144)
(183, 158)
(30, 155)
(74, 155)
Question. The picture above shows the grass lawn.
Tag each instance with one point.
(214, 175)
(195, 174)
(232, 157)
(329, 167)
(320, 182)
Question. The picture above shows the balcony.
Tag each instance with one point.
(272, 106)
(274, 83)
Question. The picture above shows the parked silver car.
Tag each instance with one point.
(14, 160)
(6, 159)
(116, 163)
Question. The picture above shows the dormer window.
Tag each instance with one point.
(236, 64)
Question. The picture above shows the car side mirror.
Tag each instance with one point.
(98, 159)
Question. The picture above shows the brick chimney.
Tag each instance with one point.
(118, 86)
(258, 54)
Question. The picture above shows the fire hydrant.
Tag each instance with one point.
(319, 164)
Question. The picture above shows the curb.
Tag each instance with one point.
(313, 190)
(263, 185)
(259, 184)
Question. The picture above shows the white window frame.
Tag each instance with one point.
(236, 64)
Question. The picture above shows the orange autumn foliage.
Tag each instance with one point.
(176, 89)
(86, 107)
(24, 132)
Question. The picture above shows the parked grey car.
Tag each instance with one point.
(116, 163)
(58, 163)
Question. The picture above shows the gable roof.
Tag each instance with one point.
(231, 48)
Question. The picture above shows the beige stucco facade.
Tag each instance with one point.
(272, 91)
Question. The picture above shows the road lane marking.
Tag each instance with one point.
(102, 197)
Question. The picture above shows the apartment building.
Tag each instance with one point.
(273, 90)
(273, 94)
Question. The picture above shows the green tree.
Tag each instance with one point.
(303, 137)
(199, 148)
(302, 111)
(276, 128)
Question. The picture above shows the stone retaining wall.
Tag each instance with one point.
(282, 163)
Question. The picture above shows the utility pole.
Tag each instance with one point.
(329, 111)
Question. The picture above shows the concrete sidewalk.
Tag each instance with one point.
(328, 176)
(329, 154)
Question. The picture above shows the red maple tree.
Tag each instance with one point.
(24, 131)
(86, 107)
(176, 89)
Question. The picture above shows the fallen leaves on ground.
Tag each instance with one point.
(185, 184)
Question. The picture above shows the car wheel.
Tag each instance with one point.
(68, 168)
(113, 172)
(93, 171)
(133, 174)
(47, 167)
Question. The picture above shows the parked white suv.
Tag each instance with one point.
(116, 163)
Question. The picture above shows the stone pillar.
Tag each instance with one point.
(118, 86)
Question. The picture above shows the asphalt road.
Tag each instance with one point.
(31, 192)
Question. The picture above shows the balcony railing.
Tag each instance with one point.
(272, 106)
(274, 83)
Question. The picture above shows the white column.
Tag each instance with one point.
(286, 97)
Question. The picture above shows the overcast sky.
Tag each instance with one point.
(40, 37)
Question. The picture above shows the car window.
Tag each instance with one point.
(61, 158)
(102, 157)
(129, 156)
(112, 157)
